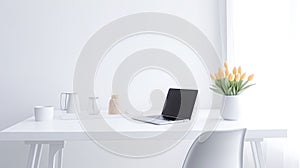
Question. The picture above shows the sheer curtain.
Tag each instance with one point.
(265, 39)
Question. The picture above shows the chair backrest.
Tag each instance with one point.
(220, 149)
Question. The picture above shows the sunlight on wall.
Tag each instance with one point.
(266, 42)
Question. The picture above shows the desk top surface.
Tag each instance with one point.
(68, 127)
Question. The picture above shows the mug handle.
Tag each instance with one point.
(65, 101)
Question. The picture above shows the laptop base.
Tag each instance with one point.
(157, 120)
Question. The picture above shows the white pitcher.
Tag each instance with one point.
(69, 102)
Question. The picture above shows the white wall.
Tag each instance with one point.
(40, 42)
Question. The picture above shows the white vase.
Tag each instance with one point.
(230, 109)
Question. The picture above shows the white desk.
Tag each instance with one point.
(55, 133)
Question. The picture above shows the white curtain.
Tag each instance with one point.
(264, 37)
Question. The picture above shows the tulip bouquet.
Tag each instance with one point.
(230, 83)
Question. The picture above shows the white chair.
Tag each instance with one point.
(217, 149)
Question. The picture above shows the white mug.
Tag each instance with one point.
(43, 113)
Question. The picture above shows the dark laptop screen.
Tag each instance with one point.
(179, 104)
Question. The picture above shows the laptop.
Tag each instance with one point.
(178, 107)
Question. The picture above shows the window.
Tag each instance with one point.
(266, 41)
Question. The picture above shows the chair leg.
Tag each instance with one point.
(260, 154)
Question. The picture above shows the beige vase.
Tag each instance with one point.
(114, 107)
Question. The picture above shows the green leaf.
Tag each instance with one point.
(244, 84)
(214, 86)
(217, 91)
(247, 87)
(243, 89)
(239, 85)
(235, 89)
(217, 82)
(223, 86)
(230, 90)
(227, 85)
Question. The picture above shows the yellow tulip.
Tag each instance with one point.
(250, 77)
(213, 77)
(234, 71)
(221, 70)
(221, 73)
(231, 77)
(227, 72)
(217, 76)
(243, 76)
(226, 64)
(240, 70)
(237, 77)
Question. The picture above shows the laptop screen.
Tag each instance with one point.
(179, 104)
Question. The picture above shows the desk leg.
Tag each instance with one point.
(55, 148)
(34, 155)
(38, 156)
(31, 156)
(60, 158)
(257, 154)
